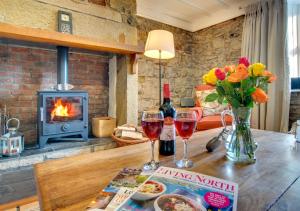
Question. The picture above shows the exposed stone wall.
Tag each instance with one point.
(25, 70)
(294, 108)
(178, 71)
(107, 23)
(196, 53)
(217, 46)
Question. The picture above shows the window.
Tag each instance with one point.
(293, 34)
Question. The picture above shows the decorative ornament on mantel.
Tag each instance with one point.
(241, 87)
(160, 45)
(64, 22)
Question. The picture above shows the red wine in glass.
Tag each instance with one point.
(185, 127)
(152, 128)
(152, 124)
(185, 123)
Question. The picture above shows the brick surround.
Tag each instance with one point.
(25, 70)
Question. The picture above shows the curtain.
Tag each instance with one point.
(264, 40)
(294, 39)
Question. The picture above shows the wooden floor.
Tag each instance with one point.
(15, 185)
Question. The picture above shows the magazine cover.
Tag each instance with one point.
(170, 189)
(118, 190)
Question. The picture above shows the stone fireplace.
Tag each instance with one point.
(107, 76)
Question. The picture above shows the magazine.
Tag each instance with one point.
(119, 189)
(170, 189)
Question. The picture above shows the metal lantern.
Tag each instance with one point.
(12, 143)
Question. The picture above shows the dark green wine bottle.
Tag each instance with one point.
(168, 135)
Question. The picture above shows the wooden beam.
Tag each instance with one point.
(134, 63)
(57, 38)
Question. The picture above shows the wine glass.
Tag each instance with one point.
(152, 123)
(185, 123)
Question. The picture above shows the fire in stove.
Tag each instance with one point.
(63, 109)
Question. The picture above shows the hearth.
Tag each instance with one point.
(62, 112)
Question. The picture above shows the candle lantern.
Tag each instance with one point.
(12, 143)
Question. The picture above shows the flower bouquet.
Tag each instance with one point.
(241, 87)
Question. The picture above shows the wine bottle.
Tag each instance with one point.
(167, 137)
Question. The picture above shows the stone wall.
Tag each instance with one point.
(26, 70)
(294, 108)
(217, 46)
(178, 71)
(196, 53)
(108, 23)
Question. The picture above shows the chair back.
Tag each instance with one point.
(66, 182)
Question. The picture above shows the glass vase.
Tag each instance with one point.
(240, 144)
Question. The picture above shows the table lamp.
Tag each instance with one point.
(160, 45)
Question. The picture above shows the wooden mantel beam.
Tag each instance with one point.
(57, 38)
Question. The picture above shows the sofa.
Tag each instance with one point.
(210, 121)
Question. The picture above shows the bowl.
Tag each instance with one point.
(189, 202)
(143, 195)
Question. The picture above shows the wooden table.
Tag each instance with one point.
(272, 183)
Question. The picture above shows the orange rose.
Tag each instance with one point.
(241, 73)
(229, 69)
(270, 75)
(259, 96)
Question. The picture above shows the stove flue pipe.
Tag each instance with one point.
(62, 65)
(62, 68)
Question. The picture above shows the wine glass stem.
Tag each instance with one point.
(185, 149)
(152, 151)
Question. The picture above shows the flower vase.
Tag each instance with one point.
(240, 144)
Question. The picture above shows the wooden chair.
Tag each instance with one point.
(71, 183)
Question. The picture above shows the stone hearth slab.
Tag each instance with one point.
(54, 150)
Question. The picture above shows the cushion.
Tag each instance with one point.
(208, 108)
(203, 87)
(211, 122)
(198, 111)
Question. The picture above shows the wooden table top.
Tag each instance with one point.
(272, 183)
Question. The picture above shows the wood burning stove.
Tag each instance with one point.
(62, 112)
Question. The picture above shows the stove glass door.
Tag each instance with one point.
(64, 109)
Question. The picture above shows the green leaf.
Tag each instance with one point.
(250, 91)
(246, 84)
(227, 88)
(211, 97)
(250, 105)
(236, 85)
(234, 102)
(220, 99)
(220, 90)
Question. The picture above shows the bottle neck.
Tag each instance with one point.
(167, 100)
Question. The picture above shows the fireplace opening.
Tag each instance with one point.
(62, 112)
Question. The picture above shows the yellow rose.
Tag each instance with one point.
(210, 77)
(257, 69)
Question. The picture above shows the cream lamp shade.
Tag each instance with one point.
(160, 45)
